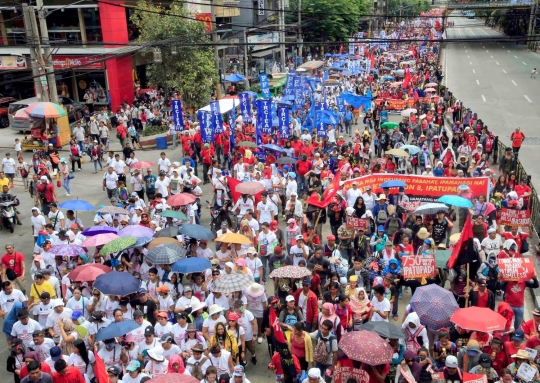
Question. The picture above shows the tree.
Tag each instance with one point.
(191, 68)
(328, 20)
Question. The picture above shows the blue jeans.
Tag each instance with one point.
(301, 184)
(66, 185)
(518, 315)
(322, 368)
(81, 146)
(96, 162)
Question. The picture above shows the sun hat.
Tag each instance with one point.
(214, 309)
(156, 353)
(423, 233)
(255, 290)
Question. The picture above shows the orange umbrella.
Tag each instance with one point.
(233, 238)
(162, 241)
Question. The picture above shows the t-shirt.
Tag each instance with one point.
(383, 306)
(255, 305)
(155, 368)
(42, 311)
(24, 332)
(13, 262)
(77, 362)
(178, 332)
(211, 323)
(160, 330)
(253, 265)
(245, 322)
(161, 186)
(9, 165)
(110, 180)
(266, 211)
(36, 290)
(492, 244)
(111, 357)
(7, 301)
(164, 164)
(150, 182)
(331, 345)
(439, 230)
(44, 349)
(38, 223)
(56, 219)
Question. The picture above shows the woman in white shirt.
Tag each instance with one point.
(83, 360)
(78, 303)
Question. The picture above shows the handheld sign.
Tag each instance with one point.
(419, 266)
(515, 269)
(356, 223)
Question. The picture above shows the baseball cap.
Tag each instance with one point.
(451, 361)
(491, 230)
(76, 314)
(484, 360)
(289, 298)
(482, 282)
(56, 353)
(238, 370)
(133, 365)
(142, 291)
(137, 314)
(97, 315)
(149, 331)
(519, 335)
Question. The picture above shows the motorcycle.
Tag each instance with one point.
(8, 215)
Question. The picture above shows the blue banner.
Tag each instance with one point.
(178, 118)
(217, 124)
(298, 98)
(245, 107)
(321, 127)
(289, 85)
(264, 114)
(265, 87)
(205, 121)
(340, 104)
(284, 124)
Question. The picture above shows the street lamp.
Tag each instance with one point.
(157, 55)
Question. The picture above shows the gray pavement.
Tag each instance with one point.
(493, 79)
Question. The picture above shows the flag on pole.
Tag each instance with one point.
(464, 250)
(100, 371)
(287, 362)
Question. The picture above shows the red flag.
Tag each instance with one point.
(316, 201)
(100, 371)
(415, 97)
(331, 190)
(407, 79)
(464, 250)
(278, 332)
(373, 61)
(356, 148)
(232, 182)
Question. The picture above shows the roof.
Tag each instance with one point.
(312, 65)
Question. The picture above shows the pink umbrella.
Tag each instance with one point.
(398, 83)
(21, 115)
(430, 90)
(142, 165)
(98, 240)
(88, 272)
(181, 199)
(251, 187)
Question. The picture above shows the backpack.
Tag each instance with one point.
(320, 354)
(196, 370)
(291, 319)
(493, 275)
(393, 225)
(382, 216)
(412, 342)
(489, 144)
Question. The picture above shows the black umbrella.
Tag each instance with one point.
(286, 160)
(171, 231)
(385, 329)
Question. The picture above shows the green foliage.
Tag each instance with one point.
(150, 130)
(408, 7)
(339, 21)
(192, 69)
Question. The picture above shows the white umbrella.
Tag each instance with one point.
(407, 112)
(431, 208)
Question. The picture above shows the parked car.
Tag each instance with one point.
(75, 111)
(5, 102)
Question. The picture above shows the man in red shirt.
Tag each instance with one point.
(516, 344)
(45, 188)
(524, 191)
(515, 297)
(517, 138)
(530, 327)
(302, 167)
(66, 374)
(13, 267)
(482, 297)
(218, 145)
(206, 155)
(517, 237)
(121, 134)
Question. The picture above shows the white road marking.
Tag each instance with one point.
(527, 98)
(483, 98)
(513, 82)
(524, 63)
(508, 51)
(496, 63)
(491, 56)
(459, 30)
(478, 82)
(504, 71)
(487, 51)
(515, 56)
(470, 62)
(466, 51)
(473, 71)
(471, 31)
(487, 34)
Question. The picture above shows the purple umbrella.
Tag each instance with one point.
(95, 230)
(434, 305)
(136, 231)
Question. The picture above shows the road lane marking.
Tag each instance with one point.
(492, 57)
(459, 30)
(487, 34)
(473, 71)
(515, 56)
(524, 63)
(478, 82)
(504, 71)
(483, 98)
(513, 82)
(471, 31)
(487, 51)
(496, 63)
(527, 98)
(470, 62)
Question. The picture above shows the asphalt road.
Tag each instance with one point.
(493, 79)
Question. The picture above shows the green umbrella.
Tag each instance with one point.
(174, 214)
(247, 143)
(441, 257)
(117, 245)
(389, 125)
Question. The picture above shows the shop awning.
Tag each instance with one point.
(225, 105)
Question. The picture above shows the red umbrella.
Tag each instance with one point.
(251, 187)
(479, 319)
(88, 272)
(374, 350)
(181, 199)
(142, 165)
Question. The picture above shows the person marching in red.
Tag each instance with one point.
(517, 138)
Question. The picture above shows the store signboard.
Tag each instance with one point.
(12, 62)
(78, 62)
(264, 41)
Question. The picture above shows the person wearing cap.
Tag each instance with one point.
(314, 376)
(146, 305)
(24, 327)
(197, 362)
(352, 194)
(516, 344)
(290, 314)
(300, 250)
(163, 326)
(293, 206)
(111, 353)
(452, 372)
(530, 327)
(522, 357)
(139, 333)
(469, 355)
(247, 320)
(169, 349)
(215, 315)
(41, 345)
(134, 372)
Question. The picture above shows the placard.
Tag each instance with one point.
(356, 223)
(511, 217)
(419, 266)
(344, 374)
(515, 269)
(474, 378)
(526, 372)
(532, 352)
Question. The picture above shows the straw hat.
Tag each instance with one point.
(422, 233)
(522, 354)
(255, 290)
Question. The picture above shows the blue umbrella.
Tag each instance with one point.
(116, 329)
(455, 200)
(117, 283)
(196, 231)
(234, 78)
(95, 230)
(434, 305)
(388, 78)
(274, 147)
(412, 149)
(336, 55)
(191, 265)
(374, 70)
(142, 241)
(393, 184)
(77, 205)
(328, 55)
(288, 97)
(347, 73)
(251, 93)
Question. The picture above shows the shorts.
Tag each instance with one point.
(10, 175)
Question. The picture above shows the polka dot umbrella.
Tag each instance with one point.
(367, 347)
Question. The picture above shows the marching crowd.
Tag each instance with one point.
(185, 323)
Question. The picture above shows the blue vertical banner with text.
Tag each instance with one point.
(264, 113)
(284, 124)
(245, 107)
(340, 104)
(178, 118)
(321, 129)
(265, 87)
(205, 121)
(289, 85)
(217, 124)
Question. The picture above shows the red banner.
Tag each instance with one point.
(421, 188)
(403, 104)
(419, 266)
(474, 378)
(511, 217)
(515, 269)
(356, 223)
(346, 374)
(206, 19)
(78, 62)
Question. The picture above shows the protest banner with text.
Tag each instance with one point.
(345, 374)
(511, 217)
(515, 269)
(419, 266)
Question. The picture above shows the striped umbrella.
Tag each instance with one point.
(165, 254)
(45, 110)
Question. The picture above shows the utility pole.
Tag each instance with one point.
(215, 43)
(37, 46)
(300, 37)
(49, 68)
(246, 64)
(33, 56)
(282, 34)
